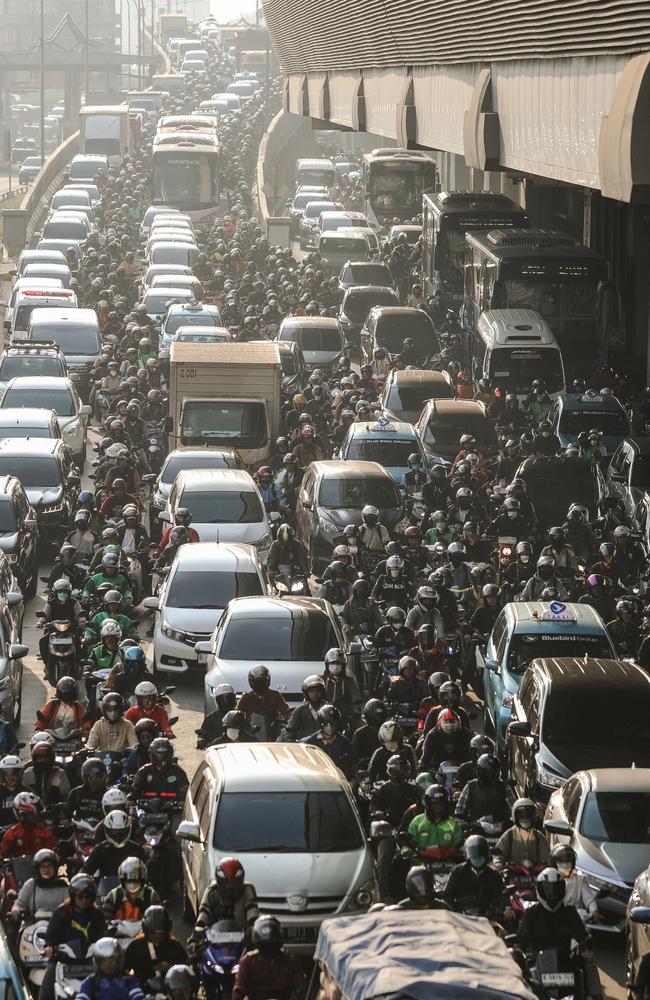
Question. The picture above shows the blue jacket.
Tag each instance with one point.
(120, 988)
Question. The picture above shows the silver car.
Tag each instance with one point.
(60, 395)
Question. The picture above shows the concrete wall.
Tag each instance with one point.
(287, 138)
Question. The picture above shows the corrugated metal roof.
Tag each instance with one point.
(310, 35)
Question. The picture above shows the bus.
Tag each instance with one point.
(204, 124)
(315, 171)
(446, 217)
(395, 180)
(185, 175)
(550, 272)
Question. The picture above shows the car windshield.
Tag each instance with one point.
(29, 364)
(41, 472)
(444, 430)
(641, 472)
(59, 400)
(7, 517)
(359, 302)
(611, 423)
(386, 451)
(231, 423)
(525, 647)
(156, 302)
(23, 431)
(573, 482)
(617, 817)
(203, 591)
(70, 338)
(411, 398)
(593, 717)
(180, 463)
(286, 822)
(222, 506)
(579, 299)
(183, 318)
(367, 274)
(514, 367)
(295, 636)
(313, 339)
(392, 331)
(354, 494)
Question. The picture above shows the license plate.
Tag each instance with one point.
(61, 642)
(300, 935)
(78, 971)
(558, 979)
(66, 747)
(34, 960)
(154, 818)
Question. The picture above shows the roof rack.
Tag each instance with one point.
(473, 197)
(535, 238)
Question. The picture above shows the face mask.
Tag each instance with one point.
(133, 886)
(112, 715)
(396, 628)
(415, 468)
(477, 862)
(524, 559)
(232, 734)
(564, 871)
(394, 573)
(61, 596)
(525, 824)
(546, 434)
(512, 514)
(392, 746)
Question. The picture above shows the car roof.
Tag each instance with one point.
(569, 401)
(616, 779)
(360, 290)
(44, 447)
(527, 616)
(229, 557)
(331, 469)
(227, 480)
(80, 317)
(171, 291)
(309, 321)
(418, 376)
(457, 406)
(40, 382)
(278, 766)
(277, 607)
(394, 428)
(400, 311)
(570, 671)
(31, 416)
(212, 310)
(553, 464)
(193, 453)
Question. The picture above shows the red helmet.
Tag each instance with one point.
(265, 475)
(230, 877)
(448, 722)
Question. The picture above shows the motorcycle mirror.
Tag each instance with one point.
(168, 690)
(640, 914)
(173, 720)
(380, 829)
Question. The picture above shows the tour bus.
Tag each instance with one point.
(315, 172)
(550, 272)
(186, 175)
(395, 180)
(512, 348)
(446, 217)
(187, 123)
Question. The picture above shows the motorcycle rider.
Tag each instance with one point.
(420, 889)
(429, 652)
(447, 740)
(629, 555)
(211, 729)
(599, 596)
(444, 694)
(82, 537)
(66, 568)
(474, 887)
(486, 794)
(44, 777)
(436, 827)
(112, 608)
(146, 731)
(544, 577)
(550, 922)
(330, 739)
(407, 688)
(63, 712)
(148, 707)
(393, 588)
(268, 970)
(394, 637)
(287, 551)
(109, 980)
(60, 606)
(28, 834)
(45, 890)
(112, 732)
(109, 574)
(360, 614)
(154, 950)
(228, 897)
(578, 892)
(624, 629)
(85, 800)
(262, 700)
(372, 534)
(365, 739)
(162, 774)
(414, 479)
(11, 775)
(517, 574)
(522, 842)
(78, 921)
(562, 554)
(118, 845)
(390, 742)
(182, 518)
(304, 719)
(134, 894)
(390, 800)
(128, 670)
(341, 688)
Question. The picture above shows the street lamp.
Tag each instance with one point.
(86, 56)
(42, 62)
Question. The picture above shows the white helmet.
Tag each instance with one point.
(145, 689)
(41, 738)
(390, 734)
(114, 798)
(117, 827)
(110, 628)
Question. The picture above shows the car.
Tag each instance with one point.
(333, 494)
(357, 303)
(628, 474)
(203, 578)
(574, 712)
(30, 358)
(63, 245)
(225, 505)
(84, 212)
(18, 540)
(637, 926)
(405, 392)
(29, 422)
(387, 442)
(413, 233)
(155, 300)
(604, 815)
(442, 423)
(28, 283)
(574, 481)
(90, 188)
(329, 222)
(202, 335)
(22, 148)
(47, 272)
(390, 326)
(368, 234)
(300, 200)
(308, 228)
(70, 198)
(60, 395)
(29, 169)
(290, 815)
(188, 282)
(155, 211)
(356, 273)
(167, 269)
(169, 252)
(37, 257)
(188, 314)
(66, 226)
(184, 459)
(50, 481)
(86, 166)
(29, 300)
(319, 337)
(523, 632)
(76, 331)
(571, 414)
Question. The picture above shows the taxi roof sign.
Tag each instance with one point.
(558, 612)
(591, 396)
(382, 425)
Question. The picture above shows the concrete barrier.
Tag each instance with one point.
(287, 138)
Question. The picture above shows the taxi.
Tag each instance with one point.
(389, 442)
(571, 414)
(525, 631)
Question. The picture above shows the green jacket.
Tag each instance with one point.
(102, 659)
(118, 582)
(425, 834)
(94, 625)
(540, 409)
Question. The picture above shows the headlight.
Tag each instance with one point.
(364, 896)
(330, 528)
(546, 777)
(172, 633)
(265, 541)
(72, 427)
(507, 700)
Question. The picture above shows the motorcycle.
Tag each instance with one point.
(520, 886)
(62, 658)
(446, 775)
(30, 945)
(83, 841)
(556, 973)
(490, 828)
(155, 444)
(71, 970)
(15, 871)
(219, 959)
(154, 815)
(506, 547)
(289, 580)
(406, 716)
(124, 931)
(66, 745)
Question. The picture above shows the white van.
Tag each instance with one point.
(38, 284)
(339, 247)
(37, 298)
(512, 347)
(288, 813)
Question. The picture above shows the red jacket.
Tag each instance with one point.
(157, 713)
(46, 716)
(262, 977)
(20, 839)
(194, 537)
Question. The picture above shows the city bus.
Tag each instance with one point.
(185, 174)
(446, 217)
(395, 180)
(550, 272)
(188, 123)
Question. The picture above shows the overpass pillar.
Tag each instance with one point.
(72, 98)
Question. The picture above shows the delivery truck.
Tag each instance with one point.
(173, 26)
(106, 129)
(225, 395)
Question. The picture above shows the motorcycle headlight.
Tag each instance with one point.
(172, 633)
(546, 777)
(329, 527)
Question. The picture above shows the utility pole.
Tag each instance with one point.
(257, 12)
(87, 73)
(42, 61)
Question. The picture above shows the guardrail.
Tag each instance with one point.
(14, 193)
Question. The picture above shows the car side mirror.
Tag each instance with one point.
(152, 603)
(17, 651)
(355, 648)
(13, 598)
(164, 516)
(519, 729)
(492, 665)
(187, 830)
(560, 828)
(275, 516)
(203, 647)
(85, 410)
(640, 914)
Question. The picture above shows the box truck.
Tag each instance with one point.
(225, 395)
(106, 129)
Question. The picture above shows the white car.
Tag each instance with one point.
(290, 635)
(60, 395)
(203, 578)
(226, 506)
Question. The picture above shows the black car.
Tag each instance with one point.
(390, 326)
(51, 484)
(357, 303)
(333, 494)
(555, 482)
(572, 713)
(32, 358)
(294, 373)
(628, 475)
(19, 533)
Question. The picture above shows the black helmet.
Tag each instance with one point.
(234, 720)
(259, 678)
(477, 851)
(335, 657)
(156, 921)
(161, 751)
(82, 884)
(481, 744)
(487, 769)
(361, 589)
(93, 765)
(42, 857)
(397, 767)
(426, 635)
(433, 794)
(449, 694)
(563, 857)
(267, 934)
(550, 888)
(419, 884)
(67, 690)
(375, 713)
(180, 982)
(112, 706)
(435, 682)
(329, 720)
(524, 813)
(311, 682)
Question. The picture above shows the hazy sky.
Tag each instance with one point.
(229, 10)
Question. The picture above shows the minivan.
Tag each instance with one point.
(340, 247)
(76, 331)
(287, 812)
(512, 348)
(319, 337)
(31, 299)
(315, 171)
(86, 166)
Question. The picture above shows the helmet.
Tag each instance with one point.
(329, 720)
(112, 706)
(224, 697)
(335, 657)
(419, 884)
(267, 933)
(449, 694)
(26, 805)
(265, 475)
(62, 588)
(183, 516)
(234, 720)
(285, 533)
(375, 712)
(487, 769)
(397, 767)
(259, 678)
(391, 735)
(180, 982)
(11, 765)
(106, 948)
(545, 567)
(156, 920)
(114, 798)
(481, 744)
(43, 753)
(624, 607)
(161, 751)
(564, 858)
(448, 722)
(110, 630)
(407, 663)
(146, 727)
(550, 888)
(524, 813)
(229, 875)
(394, 565)
(311, 682)
(145, 689)
(396, 617)
(133, 655)
(112, 597)
(42, 857)
(67, 690)
(82, 884)
(178, 535)
(370, 515)
(93, 766)
(132, 872)
(477, 851)
(435, 682)
(435, 794)
(117, 827)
